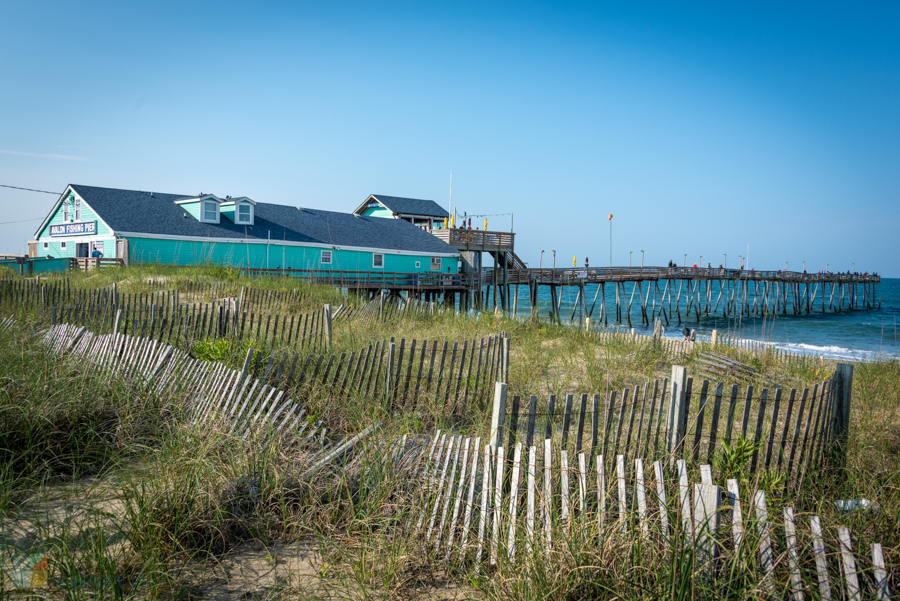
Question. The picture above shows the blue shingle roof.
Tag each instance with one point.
(412, 206)
(139, 212)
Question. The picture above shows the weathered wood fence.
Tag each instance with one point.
(789, 432)
(211, 390)
(510, 507)
(405, 372)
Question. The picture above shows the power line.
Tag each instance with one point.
(28, 190)
(22, 221)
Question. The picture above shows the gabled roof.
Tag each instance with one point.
(131, 211)
(406, 206)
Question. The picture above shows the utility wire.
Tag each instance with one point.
(28, 190)
(21, 221)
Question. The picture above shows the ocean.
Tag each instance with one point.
(857, 334)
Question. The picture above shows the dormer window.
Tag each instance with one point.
(243, 213)
(210, 211)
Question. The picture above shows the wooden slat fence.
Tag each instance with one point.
(242, 402)
(403, 373)
(791, 431)
(505, 508)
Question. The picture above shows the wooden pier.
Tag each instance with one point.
(667, 291)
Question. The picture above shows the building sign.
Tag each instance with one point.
(74, 229)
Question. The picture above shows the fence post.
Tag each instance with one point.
(841, 387)
(116, 324)
(389, 375)
(676, 422)
(498, 415)
(715, 337)
(328, 327)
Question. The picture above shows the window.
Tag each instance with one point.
(46, 245)
(65, 211)
(418, 264)
(326, 257)
(62, 245)
(243, 214)
(377, 260)
(210, 212)
(435, 263)
(77, 209)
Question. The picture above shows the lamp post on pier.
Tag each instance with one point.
(684, 261)
(642, 260)
(725, 264)
(554, 259)
(629, 259)
(541, 261)
(740, 262)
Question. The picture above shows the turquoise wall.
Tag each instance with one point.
(87, 214)
(378, 212)
(234, 254)
(56, 250)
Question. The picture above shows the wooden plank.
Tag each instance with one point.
(529, 426)
(498, 505)
(766, 556)
(633, 412)
(797, 426)
(737, 520)
(582, 486)
(485, 494)
(701, 412)
(640, 493)
(567, 419)
(773, 427)
(582, 414)
(793, 555)
(684, 500)
(449, 494)
(623, 499)
(849, 565)
(548, 430)
(759, 428)
(659, 475)
(819, 552)
(706, 523)
(879, 573)
(714, 426)
(467, 517)
(514, 502)
(529, 515)
(785, 432)
(459, 495)
(595, 425)
(546, 497)
(564, 488)
(745, 418)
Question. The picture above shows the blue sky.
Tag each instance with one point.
(703, 128)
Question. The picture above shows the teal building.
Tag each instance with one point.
(185, 229)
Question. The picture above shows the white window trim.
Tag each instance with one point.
(77, 209)
(65, 211)
(62, 245)
(322, 254)
(436, 263)
(374, 266)
(237, 214)
(203, 218)
(418, 264)
(46, 245)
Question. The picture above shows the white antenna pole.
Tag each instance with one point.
(450, 208)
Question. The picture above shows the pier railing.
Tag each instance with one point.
(575, 275)
(368, 279)
(479, 240)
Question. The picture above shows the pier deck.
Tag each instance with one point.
(666, 291)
